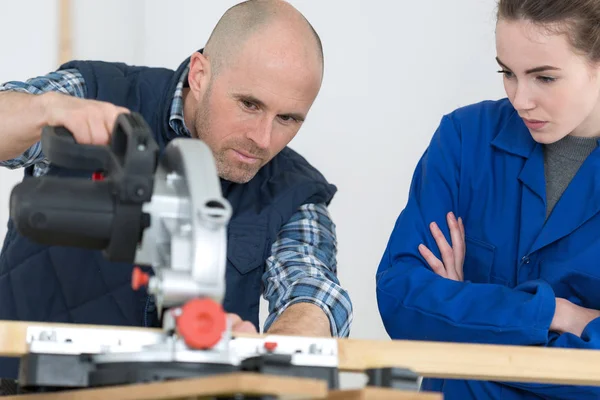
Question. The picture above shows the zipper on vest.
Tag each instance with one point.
(146, 310)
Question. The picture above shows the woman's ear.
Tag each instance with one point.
(199, 74)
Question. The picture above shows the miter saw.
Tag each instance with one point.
(162, 210)
(165, 211)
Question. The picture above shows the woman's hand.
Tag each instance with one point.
(569, 317)
(453, 257)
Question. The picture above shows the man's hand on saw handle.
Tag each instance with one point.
(90, 121)
(24, 116)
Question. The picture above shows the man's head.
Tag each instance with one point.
(253, 86)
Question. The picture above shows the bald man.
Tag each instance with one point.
(246, 96)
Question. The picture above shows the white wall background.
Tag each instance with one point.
(393, 68)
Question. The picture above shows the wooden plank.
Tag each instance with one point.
(382, 394)
(65, 40)
(474, 361)
(430, 359)
(13, 334)
(218, 385)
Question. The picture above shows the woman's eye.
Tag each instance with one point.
(546, 79)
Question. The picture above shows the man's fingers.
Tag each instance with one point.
(109, 126)
(436, 265)
(100, 133)
(244, 327)
(234, 319)
(90, 121)
(80, 130)
(112, 115)
(239, 325)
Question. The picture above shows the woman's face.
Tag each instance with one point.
(554, 89)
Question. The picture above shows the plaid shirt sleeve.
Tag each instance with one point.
(302, 268)
(69, 81)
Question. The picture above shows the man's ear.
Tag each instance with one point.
(199, 74)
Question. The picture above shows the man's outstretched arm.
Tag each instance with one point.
(305, 296)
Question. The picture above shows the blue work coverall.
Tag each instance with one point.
(483, 165)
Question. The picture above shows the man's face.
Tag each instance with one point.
(253, 108)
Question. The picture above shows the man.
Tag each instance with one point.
(245, 95)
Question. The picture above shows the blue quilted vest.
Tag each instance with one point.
(60, 284)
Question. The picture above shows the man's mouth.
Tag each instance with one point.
(246, 157)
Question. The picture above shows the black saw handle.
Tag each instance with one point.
(101, 214)
(60, 149)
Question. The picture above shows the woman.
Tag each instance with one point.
(521, 263)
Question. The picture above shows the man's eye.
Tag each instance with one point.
(248, 104)
(288, 119)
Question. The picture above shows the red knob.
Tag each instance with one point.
(139, 278)
(270, 346)
(201, 323)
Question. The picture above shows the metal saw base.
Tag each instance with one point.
(59, 372)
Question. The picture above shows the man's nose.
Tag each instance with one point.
(260, 133)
